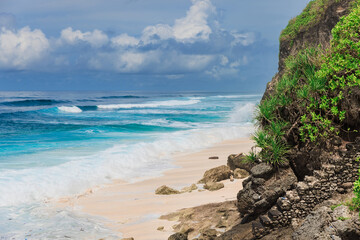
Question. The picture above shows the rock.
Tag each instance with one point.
(240, 173)
(347, 185)
(165, 190)
(208, 234)
(315, 224)
(262, 170)
(239, 161)
(216, 174)
(231, 178)
(213, 186)
(214, 157)
(178, 236)
(189, 189)
(341, 212)
(186, 229)
(161, 228)
(347, 229)
(127, 238)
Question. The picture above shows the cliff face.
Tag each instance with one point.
(314, 33)
(312, 107)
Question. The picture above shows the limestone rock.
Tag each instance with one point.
(216, 174)
(314, 225)
(127, 238)
(189, 189)
(341, 212)
(239, 161)
(348, 229)
(262, 170)
(161, 228)
(213, 186)
(165, 190)
(240, 173)
(178, 236)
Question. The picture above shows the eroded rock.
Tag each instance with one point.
(213, 186)
(216, 174)
(165, 190)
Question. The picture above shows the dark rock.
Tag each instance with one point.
(239, 161)
(216, 174)
(336, 141)
(262, 170)
(347, 185)
(258, 181)
(347, 229)
(214, 157)
(178, 236)
(314, 225)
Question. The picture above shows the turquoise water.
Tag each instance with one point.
(56, 144)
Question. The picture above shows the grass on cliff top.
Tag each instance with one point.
(306, 107)
(310, 16)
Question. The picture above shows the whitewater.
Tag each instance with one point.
(60, 144)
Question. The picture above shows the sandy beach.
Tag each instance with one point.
(134, 209)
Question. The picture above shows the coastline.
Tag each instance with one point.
(134, 209)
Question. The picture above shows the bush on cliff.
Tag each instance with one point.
(307, 106)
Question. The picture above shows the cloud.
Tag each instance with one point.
(95, 38)
(195, 43)
(22, 48)
(194, 26)
(124, 40)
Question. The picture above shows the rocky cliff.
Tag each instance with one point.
(309, 130)
(314, 32)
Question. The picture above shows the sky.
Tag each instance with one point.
(141, 45)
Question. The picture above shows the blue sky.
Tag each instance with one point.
(141, 45)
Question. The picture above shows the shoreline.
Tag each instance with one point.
(134, 209)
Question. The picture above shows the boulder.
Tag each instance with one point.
(165, 190)
(189, 189)
(178, 236)
(341, 212)
(239, 161)
(314, 226)
(348, 229)
(127, 238)
(216, 174)
(161, 228)
(240, 173)
(213, 186)
(214, 157)
(262, 170)
(208, 234)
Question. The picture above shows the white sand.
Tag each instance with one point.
(134, 208)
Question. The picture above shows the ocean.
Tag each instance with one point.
(59, 144)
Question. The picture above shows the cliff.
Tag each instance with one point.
(310, 29)
(308, 136)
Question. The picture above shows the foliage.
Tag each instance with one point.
(335, 206)
(306, 102)
(310, 16)
(356, 199)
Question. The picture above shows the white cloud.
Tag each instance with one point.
(194, 43)
(124, 40)
(20, 49)
(194, 26)
(95, 38)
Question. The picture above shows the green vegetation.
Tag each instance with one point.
(306, 104)
(335, 206)
(342, 218)
(308, 18)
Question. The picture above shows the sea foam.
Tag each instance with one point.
(170, 103)
(72, 109)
